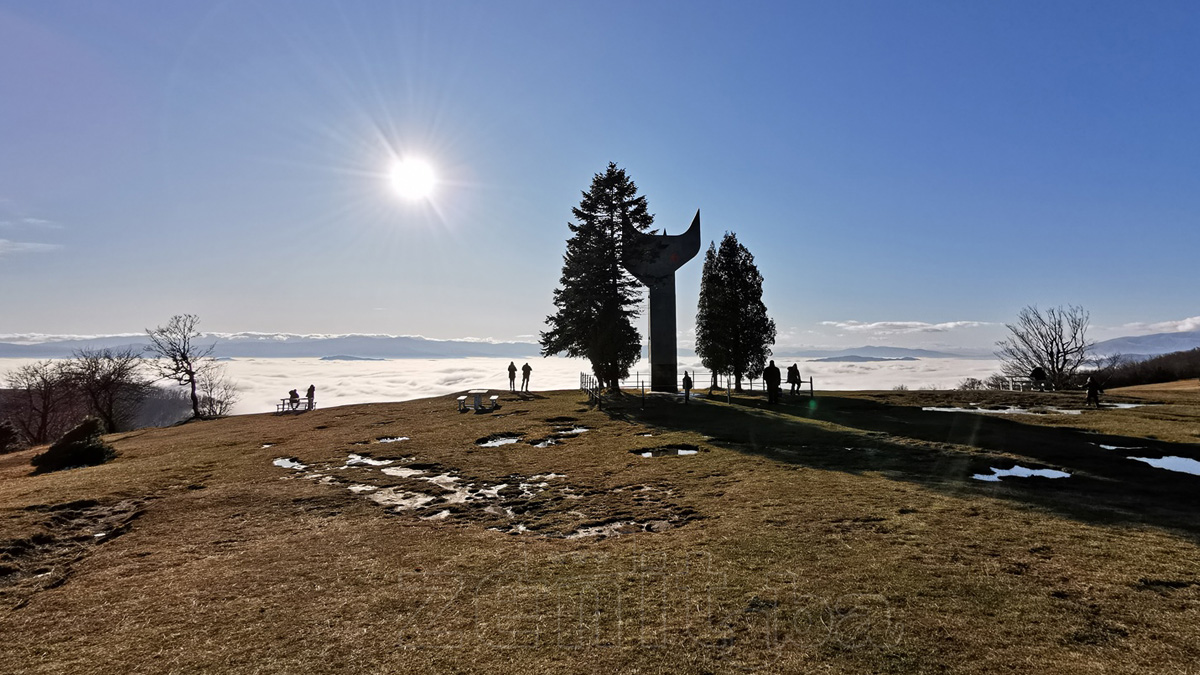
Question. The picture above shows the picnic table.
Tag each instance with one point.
(295, 405)
(479, 394)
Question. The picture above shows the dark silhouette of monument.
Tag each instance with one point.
(652, 259)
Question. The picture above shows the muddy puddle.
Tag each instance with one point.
(66, 534)
(678, 449)
(1180, 464)
(1019, 471)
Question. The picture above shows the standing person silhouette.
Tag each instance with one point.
(793, 377)
(312, 393)
(525, 371)
(1093, 392)
(687, 387)
(771, 377)
(512, 376)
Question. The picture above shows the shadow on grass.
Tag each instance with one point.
(942, 451)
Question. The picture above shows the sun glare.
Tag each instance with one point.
(413, 179)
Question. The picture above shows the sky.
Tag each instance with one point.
(909, 174)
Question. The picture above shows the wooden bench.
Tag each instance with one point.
(494, 401)
(462, 403)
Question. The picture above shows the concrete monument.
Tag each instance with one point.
(652, 259)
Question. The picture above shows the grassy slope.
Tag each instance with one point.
(841, 536)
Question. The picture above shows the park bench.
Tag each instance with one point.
(462, 403)
(494, 401)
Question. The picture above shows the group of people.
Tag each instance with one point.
(771, 377)
(294, 398)
(512, 376)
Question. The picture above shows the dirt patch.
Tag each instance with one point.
(67, 533)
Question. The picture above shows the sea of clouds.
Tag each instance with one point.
(261, 382)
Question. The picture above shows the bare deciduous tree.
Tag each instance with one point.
(111, 381)
(1054, 340)
(179, 356)
(217, 394)
(42, 404)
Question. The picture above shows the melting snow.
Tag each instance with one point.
(402, 472)
(289, 463)
(497, 442)
(355, 460)
(395, 439)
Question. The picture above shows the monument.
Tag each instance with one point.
(652, 259)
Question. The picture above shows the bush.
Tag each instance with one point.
(10, 438)
(80, 446)
(972, 384)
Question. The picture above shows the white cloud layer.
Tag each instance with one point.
(901, 327)
(262, 382)
(1176, 326)
(9, 247)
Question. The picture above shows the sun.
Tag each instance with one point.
(412, 178)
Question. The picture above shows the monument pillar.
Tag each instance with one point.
(653, 259)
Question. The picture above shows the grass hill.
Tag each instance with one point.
(839, 534)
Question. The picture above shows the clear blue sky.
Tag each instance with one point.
(895, 167)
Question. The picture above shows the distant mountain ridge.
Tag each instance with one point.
(1143, 346)
(278, 345)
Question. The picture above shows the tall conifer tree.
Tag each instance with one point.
(597, 299)
(733, 332)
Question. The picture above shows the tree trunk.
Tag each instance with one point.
(195, 399)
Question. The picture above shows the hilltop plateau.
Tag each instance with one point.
(857, 532)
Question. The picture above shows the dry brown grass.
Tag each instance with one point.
(843, 536)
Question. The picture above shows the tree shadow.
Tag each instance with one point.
(943, 450)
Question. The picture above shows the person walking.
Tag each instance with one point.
(512, 376)
(771, 377)
(1093, 392)
(525, 371)
(312, 393)
(687, 387)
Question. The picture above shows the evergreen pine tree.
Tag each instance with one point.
(733, 332)
(596, 298)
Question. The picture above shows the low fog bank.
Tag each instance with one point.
(261, 382)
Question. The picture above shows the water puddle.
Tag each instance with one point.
(668, 450)
(1006, 411)
(290, 463)
(267, 445)
(1121, 447)
(1123, 406)
(497, 440)
(1020, 472)
(1180, 464)
(543, 442)
(391, 439)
